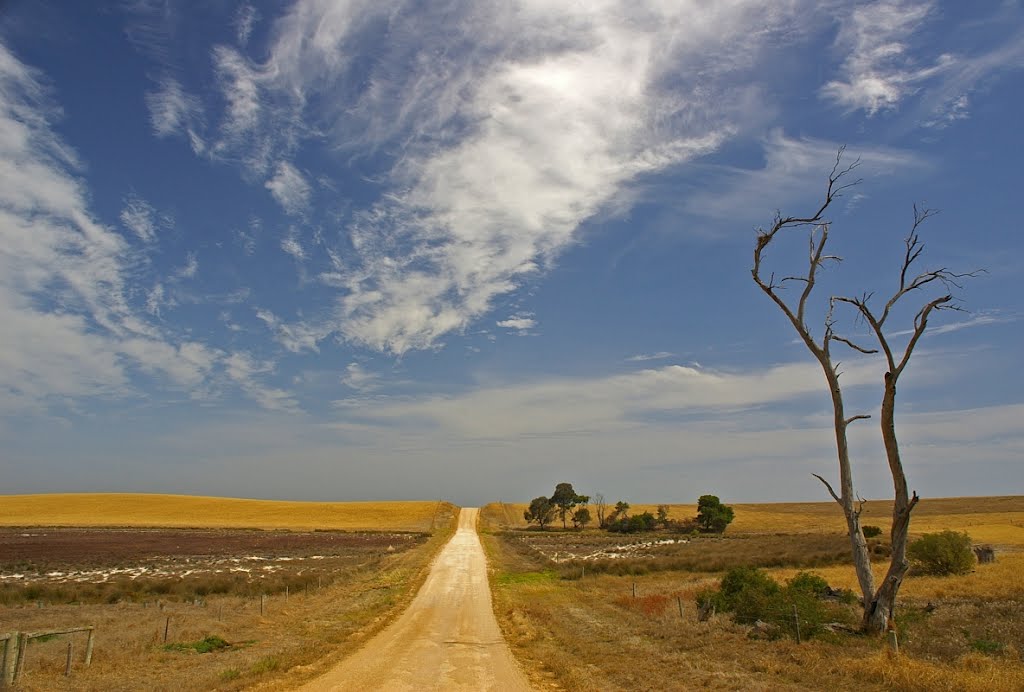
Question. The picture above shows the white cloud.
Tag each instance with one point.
(358, 378)
(155, 300)
(641, 357)
(291, 245)
(879, 71)
(245, 370)
(572, 405)
(289, 188)
(173, 112)
(547, 115)
(142, 219)
(295, 338)
(191, 267)
(520, 323)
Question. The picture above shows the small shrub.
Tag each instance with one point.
(203, 646)
(809, 583)
(947, 552)
(751, 595)
(230, 674)
(871, 531)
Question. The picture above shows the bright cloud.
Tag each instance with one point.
(879, 71)
(289, 188)
(518, 323)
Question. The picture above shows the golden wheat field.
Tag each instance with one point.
(145, 510)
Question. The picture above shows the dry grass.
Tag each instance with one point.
(590, 633)
(130, 509)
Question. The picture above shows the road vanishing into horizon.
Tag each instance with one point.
(447, 639)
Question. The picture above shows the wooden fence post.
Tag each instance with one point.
(167, 626)
(88, 647)
(7, 669)
(19, 662)
(796, 621)
(67, 664)
(679, 600)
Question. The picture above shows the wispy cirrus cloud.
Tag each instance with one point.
(884, 64)
(878, 70)
(793, 168)
(53, 251)
(466, 212)
(289, 188)
(142, 219)
(642, 357)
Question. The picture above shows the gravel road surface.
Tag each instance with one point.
(447, 639)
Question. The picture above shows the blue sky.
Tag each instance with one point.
(357, 250)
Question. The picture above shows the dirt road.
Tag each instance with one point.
(447, 639)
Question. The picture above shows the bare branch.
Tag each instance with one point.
(854, 346)
(859, 416)
(920, 324)
(830, 490)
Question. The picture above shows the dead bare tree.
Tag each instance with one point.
(879, 603)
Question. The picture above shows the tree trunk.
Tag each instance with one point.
(858, 544)
(878, 613)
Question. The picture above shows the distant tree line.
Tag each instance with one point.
(566, 504)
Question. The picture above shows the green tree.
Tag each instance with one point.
(712, 515)
(541, 512)
(565, 498)
(621, 511)
(663, 515)
(580, 518)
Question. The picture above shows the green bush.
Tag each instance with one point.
(751, 595)
(808, 583)
(871, 531)
(947, 552)
(635, 524)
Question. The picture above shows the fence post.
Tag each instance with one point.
(796, 621)
(88, 647)
(3, 665)
(167, 626)
(67, 665)
(19, 662)
(263, 598)
(679, 600)
(7, 671)
(634, 589)
(894, 643)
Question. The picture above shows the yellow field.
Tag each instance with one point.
(186, 511)
(996, 520)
